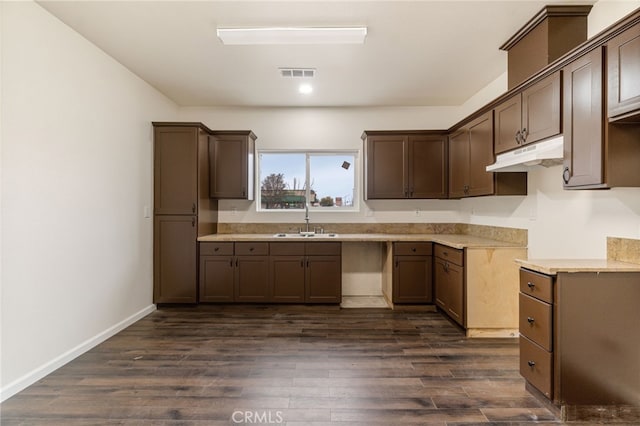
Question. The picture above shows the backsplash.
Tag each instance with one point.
(623, 249)
(511, 235)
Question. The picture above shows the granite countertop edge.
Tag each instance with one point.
(555, 266)
(458, 241)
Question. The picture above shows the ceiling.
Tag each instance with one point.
(417, 53)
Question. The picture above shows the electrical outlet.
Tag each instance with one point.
(147, 212)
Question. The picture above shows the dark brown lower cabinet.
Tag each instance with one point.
(580, 344)
(174, 259)
(449, 282)
(287, 272)
(412, 272)
(323, 277)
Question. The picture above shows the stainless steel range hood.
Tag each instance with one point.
(546, 153)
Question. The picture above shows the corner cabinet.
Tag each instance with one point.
(623, 53)
(470, 152)
(597, 154)
(529, 116)
(232, 164)
(182, 209)
(400, 165)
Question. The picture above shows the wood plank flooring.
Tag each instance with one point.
(293, 365)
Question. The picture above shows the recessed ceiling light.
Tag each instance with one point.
(292, 35)
(305, 88)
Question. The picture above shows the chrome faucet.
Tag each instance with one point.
(306, 214)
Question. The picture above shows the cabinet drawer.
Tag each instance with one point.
(452, 255)
(535, 321)
(536, 366)
(216, 249)
(286, 249)
(412, 249)
(250, 249)
(323, 249)
(537, 285)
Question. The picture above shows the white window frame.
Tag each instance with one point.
(308, 153)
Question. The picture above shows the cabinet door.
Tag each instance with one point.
(229, 165)
(175, 169)
(481, 155)
(624, 72)
(441, 284)
(455, 280)
(287, 279)
(459, 164)
(541, 110)
(323, 276)
(427, 166)
(216, 279)
(412, 282)
(252, 279)
(508, 122)
(583, 115)
(387, 173)
(174, 259)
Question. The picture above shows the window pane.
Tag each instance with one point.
(282, 180)
(332, 180)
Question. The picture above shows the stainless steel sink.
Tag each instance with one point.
(306, 235)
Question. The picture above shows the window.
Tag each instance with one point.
(326, 180)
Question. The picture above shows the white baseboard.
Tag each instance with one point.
(30, 378)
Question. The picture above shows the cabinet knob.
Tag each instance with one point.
(530, 320)
(524, 135)
(530, 285)
(193, 208)
(193, 222)
(250, 248)
(566, 174)
(531, 363)
(518, 137)
(413, 249)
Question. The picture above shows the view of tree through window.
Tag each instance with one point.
(288, 180)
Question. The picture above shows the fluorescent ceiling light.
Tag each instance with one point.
(303, 35)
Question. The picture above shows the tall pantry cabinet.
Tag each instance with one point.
(182, 208)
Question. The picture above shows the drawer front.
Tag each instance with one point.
(286, 249)
(536, 366)
(216, 249)
(535, 321)
(323, 249)
(412, 249)
(537, 285)
(452, 255)
(251, 249)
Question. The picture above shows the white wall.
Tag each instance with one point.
(562, 224)
(76, 173)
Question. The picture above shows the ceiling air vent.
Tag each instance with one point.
(298, 72)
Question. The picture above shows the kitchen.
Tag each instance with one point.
(85, 209)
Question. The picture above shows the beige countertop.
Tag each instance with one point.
(458, 241)
(553, 266)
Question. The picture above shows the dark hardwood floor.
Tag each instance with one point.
(294, 365)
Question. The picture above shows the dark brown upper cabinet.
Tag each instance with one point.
(529, 116)
(597, 154)
(405, 165)
(551, 33)
(470, 152)
(232, 164)
(624, 75)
